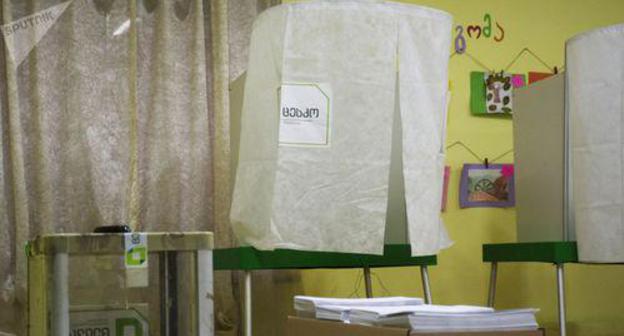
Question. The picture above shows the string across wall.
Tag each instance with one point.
(478, 157)
(524, 51)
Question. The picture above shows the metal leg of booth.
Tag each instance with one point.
(492, 290)
(247, 304)
(368, 285)
(560, 293)
(561, 299)
(424, 275)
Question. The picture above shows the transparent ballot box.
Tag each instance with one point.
(121, 284)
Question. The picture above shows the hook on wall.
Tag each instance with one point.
(103, 7)
(150, 5)
(182, 8)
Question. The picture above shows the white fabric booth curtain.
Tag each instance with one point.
(317, 179)
(595, 81)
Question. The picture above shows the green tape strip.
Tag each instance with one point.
(477, 93)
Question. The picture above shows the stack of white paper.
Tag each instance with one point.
(399, 316)
(504, 320)
(432, 318)
(411, 313)
(334, 313)
(435, 318)
(307, 306)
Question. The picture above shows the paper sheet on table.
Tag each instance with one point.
(426, 308)
(370, 315)
(309, 303)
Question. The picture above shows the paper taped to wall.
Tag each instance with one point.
(305, 115)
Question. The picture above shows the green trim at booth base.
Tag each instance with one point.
(248, 258)
(551, 252)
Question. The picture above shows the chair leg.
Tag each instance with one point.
(424, 275)
(561, 299)
(205, 293)
(60, 296)
(367, 282)
(492, 289)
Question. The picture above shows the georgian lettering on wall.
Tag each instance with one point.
(487, 29)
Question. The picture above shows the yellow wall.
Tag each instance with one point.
(595, 293)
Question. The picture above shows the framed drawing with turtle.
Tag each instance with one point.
(491, 186)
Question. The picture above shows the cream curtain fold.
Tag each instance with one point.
(227, 314)
(231, 26)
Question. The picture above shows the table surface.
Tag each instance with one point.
(557, 252)
(249, 258)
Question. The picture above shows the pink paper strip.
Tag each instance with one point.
(447, 175)
(517, 81)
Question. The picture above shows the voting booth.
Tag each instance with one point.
(568, 133)
(342, 128)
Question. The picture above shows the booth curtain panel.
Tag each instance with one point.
(595, 85)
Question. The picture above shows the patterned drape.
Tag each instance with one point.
(119, 114)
